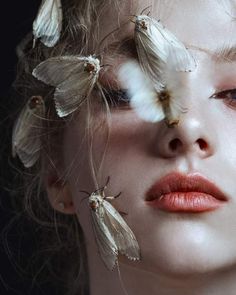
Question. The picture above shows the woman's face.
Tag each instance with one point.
(202, 144)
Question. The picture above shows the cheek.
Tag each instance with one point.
(126, 147)
(226, 131)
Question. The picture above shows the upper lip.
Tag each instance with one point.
(177, 182)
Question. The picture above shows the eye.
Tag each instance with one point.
(228, 95)
(117, 98)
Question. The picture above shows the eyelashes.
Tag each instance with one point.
(120, 98)
(117, 98)
(229, 97)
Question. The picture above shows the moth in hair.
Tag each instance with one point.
(26, 136)
(47, 25)
(73, 77)
(113, 235)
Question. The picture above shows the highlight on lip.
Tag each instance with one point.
(177, 192)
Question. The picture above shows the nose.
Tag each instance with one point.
(192, 135)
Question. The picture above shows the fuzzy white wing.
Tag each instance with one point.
(48, 23)
(107, 247)
(123, 236)
(143, 96)
(26, 136)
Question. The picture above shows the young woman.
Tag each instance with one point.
(177, 183)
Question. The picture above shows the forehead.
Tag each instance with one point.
(201, 23)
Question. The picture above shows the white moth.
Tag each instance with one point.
(48, 23)
(73, 77)
(155, 44)
(113, 235)
(152, 105)
(26, 136)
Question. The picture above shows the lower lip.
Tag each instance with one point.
(190, 202)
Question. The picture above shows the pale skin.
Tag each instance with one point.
(191, 254)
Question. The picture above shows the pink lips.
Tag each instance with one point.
(185, 193)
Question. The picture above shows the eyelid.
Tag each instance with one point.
(117, 98)
(224, 91)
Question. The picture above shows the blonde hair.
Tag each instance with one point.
(80, 36)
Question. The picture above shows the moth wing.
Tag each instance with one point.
(71, 93)
(106, 244)
(152, 56)
(56, 70)
(171, 45)
(185, 62)
(26, 136)
(73, 83)
(143, 96)
(122, 234)
(149, 62)
(48, 23)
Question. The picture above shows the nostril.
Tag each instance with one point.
(202, 144)
(174, 144)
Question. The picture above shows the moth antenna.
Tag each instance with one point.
(117, 196)
(85, 192)
(106, 65)
(112, 197)
(146, 9)
(103, 188)
(131, 18)
(109, 34)
(85, 198)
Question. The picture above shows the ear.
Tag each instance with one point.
(59, 193)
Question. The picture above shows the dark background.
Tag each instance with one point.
(16, 18)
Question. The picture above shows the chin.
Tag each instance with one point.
(186, 251)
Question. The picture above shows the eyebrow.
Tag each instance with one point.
(127, 46)
(224, 54)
